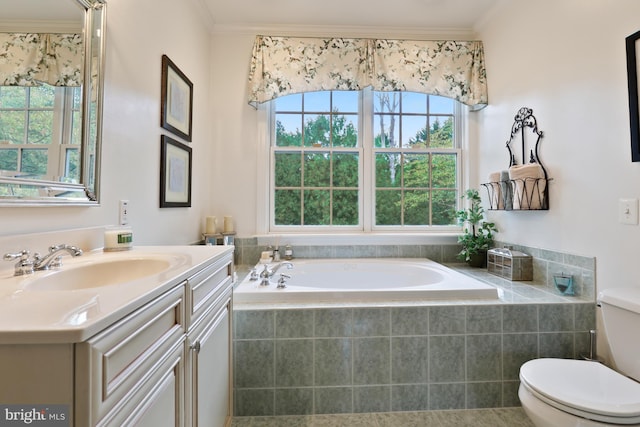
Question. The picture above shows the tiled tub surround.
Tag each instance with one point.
(427, 355)
(396, 358)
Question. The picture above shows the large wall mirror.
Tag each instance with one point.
(51, 78)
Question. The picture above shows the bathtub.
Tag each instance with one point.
(363, 280)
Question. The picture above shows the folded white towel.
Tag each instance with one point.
(528, 185)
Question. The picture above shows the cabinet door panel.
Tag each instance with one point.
(211, 369)
(159, 401)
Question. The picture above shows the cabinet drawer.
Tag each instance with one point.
(206, 286)
(119, 357)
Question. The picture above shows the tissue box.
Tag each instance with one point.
(510, 264)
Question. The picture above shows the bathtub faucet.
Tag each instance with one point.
(269, 272)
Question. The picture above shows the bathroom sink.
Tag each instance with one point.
(97, 274)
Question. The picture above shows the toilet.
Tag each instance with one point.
(580, 393)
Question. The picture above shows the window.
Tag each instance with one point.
(346, 160)
(40, 131)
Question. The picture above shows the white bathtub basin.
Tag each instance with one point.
(365, 280)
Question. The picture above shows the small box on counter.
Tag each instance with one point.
(510, 264)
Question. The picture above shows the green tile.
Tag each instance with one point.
(446, 358)
(254, 402)
(409, 359)
(371, 361)
(333, 322)
(294, 323)
(254, 324)
(294, 401)
(484, 357)
(294, 363)
(333, 361)
(372, 399)
(410, 397)
(333, 400)
(369, 322)
(520, 318)
(484, 319)
(254, 362)
(447, 320)
(409, 321)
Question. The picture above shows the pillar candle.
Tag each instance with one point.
(228, 224)
(212, 225)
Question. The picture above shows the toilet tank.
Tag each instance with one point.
(621, 318)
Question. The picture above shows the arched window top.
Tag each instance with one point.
(286, 65)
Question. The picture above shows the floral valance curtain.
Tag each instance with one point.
(27, 59)
(286, 65)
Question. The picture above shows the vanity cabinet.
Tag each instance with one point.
(165, 363)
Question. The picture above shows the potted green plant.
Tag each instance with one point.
(477, 235)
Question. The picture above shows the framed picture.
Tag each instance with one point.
(176, 99)
(633, 44)
(175, 174)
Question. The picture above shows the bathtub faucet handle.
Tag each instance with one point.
(282, 281)
(264, 276)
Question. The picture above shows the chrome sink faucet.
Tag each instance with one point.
(53, 258)
(50, 260)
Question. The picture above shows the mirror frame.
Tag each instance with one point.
(94, 43)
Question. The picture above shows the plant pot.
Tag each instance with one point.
(478, 260)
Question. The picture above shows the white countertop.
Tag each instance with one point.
(57, 316)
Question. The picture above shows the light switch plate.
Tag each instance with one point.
(628, 211)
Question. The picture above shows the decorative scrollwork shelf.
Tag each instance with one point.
(523, 186)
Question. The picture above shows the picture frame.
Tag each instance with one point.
(633, 45)
(176, 113)
(175, 173)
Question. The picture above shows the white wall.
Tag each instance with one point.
(566, 60)
(138, 33)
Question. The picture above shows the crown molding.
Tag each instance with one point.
(348, 31)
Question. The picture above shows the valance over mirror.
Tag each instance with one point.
(31, 58)
(286, 65)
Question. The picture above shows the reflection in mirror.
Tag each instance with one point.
(50, 101)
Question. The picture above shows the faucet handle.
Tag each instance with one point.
(23, 255)
(24, 264)
(283, 280)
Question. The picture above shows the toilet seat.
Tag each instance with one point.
(585, 389)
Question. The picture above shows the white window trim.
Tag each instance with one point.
(377, 234)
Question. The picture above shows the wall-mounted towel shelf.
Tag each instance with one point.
(524, 186)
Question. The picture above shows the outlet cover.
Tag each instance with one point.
(123, 217)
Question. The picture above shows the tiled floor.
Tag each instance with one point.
(504, 417)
